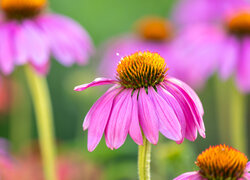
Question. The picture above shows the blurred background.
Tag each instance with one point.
(103, 20)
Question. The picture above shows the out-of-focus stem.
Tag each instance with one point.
(222, 106)
(43, 109)
(238, 123)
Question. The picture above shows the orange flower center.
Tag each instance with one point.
(154, 28)
(141, 69)
(239, 23)
(221, 162)
(21, 9)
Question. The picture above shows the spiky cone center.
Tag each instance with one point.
(221, 162)
(239, 23)
(141, 69)
(22, 9)
(154, 28)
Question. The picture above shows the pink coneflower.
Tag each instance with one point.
(28, 34)
(151, 33)
(226, 26)
(143, 102)
(220, 162)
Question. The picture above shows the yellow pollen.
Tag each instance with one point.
(20, 9)
(141, 69)
(221, 162)
(154, 28)
(239, 23)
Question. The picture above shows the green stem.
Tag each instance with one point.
(222, 101)
(238, 120)
(144, 153)
(41, 99)
(20, 123)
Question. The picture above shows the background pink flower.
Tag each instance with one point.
(217, 40)
(30, 35)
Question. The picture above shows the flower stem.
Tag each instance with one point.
(43, 110)
(222, 102)
(238, 120)
(144, 154)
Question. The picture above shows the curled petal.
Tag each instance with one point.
(170, 99)
(96, 82)
(193, 103)
(168, 122)
(191, 126)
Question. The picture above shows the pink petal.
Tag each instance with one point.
(189, 176)
(120, 119)
(99, 118)
(190, 125)
(87, 118)
(31, 44)
(204, 47)
(195, 11)
(170, 99)
(169, 124)
(68, 40)
(135, 129)
(190, 92)
(243, 73)
(193, 101)
(229, 57)
(6, 48)
(96, 82)
(147, 117)
(248, 167)
(42, 69)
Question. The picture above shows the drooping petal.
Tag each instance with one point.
(170, 99)
(120, 119)
(189, 176)
(6, 48)
(93, 108)
(31, 44)
(169, 125)
(135, 129)
(69, 41)
(193, 102)
(191, 126)
(190, 92)
(147, 117)
(96, 82)
(243, 72)
(99, 118)
(229, 57)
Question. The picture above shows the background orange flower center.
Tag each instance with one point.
(154, 28)
(20, 9)
(239, 23)
(221, 162)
